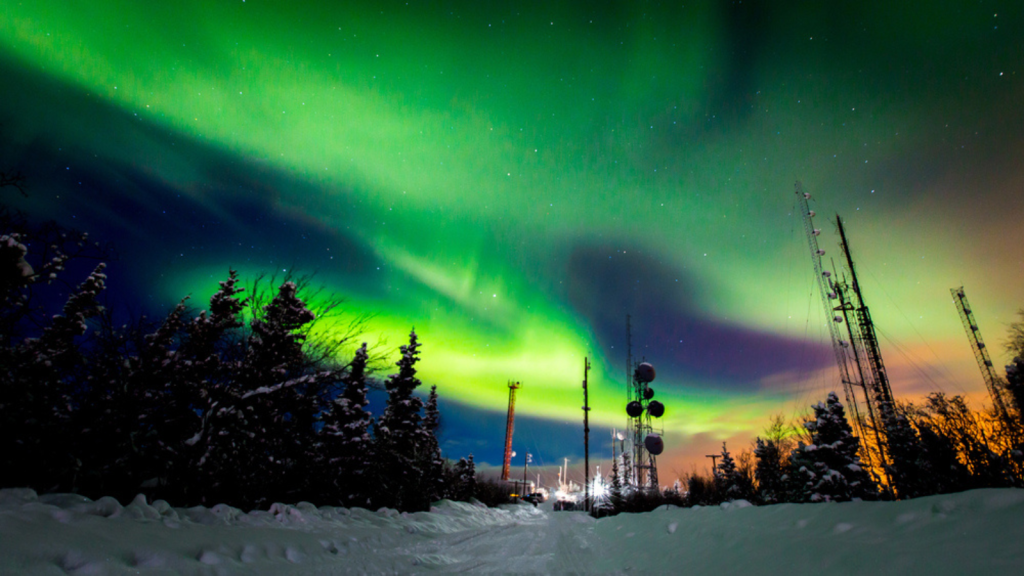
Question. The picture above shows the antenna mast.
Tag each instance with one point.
(510, 424)
(846, 352)
(586, 438)
(827, 290)
(883, 393)
(992, 382)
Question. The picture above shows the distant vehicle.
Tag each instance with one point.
(535, 498)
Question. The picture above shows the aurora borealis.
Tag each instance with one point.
(512, 179)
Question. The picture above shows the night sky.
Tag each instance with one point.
(512, 179)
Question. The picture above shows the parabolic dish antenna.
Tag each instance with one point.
(645, 372)
(654, 444)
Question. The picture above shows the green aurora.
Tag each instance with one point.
(512, 179)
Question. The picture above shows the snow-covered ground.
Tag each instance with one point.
(969, 533)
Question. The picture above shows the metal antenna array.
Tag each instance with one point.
(884, 400)
(647, 444)
(510, 424)
(859, 359)
(586, 436)
(828, 292)
(856, 347)
(992, 382)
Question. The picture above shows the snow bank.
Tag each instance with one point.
(953, 534)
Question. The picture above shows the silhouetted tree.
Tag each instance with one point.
(770, 454)
(904, 468)
(429, 453)
(399, 437)
(730, 482)
(345, 446)
(701, 490)
(768, 471)
(462, 485)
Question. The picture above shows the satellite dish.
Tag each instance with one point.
(648, 393)
(645, 372)
(656, 409)
(634, 409)
(654, 444)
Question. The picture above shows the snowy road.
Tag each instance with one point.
(533, 541)
(972, 532)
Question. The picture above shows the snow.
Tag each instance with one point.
(970, 532)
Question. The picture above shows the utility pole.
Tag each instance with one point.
(714, 463)
(586, 438)
(526, 466)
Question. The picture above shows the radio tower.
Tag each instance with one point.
(992, 382)
(512, 387)
(880, 378)
(837, 309)
(647, 444)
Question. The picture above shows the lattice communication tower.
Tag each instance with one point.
(509, 426)
(994, 384)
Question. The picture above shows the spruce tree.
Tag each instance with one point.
(730, 483)
(190, 431)
(470, 478)
(345, 445)
(829, 470)
(615, 490)
(464, 480)
(905, 458)
(399, 435)
(725, 474)
(39, 395)
(769, 472)
(432, 481)
(265, 420)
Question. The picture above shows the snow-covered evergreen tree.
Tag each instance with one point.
(829, 469)
(40, 383)
(206, 370)
(469, 478)
(346, 448)
(430, 458)
(615, 495)
(464, 480)
(264, 419)
(400, 435)
(730, 483)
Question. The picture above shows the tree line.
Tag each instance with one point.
(937, 446)
(235, 404)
